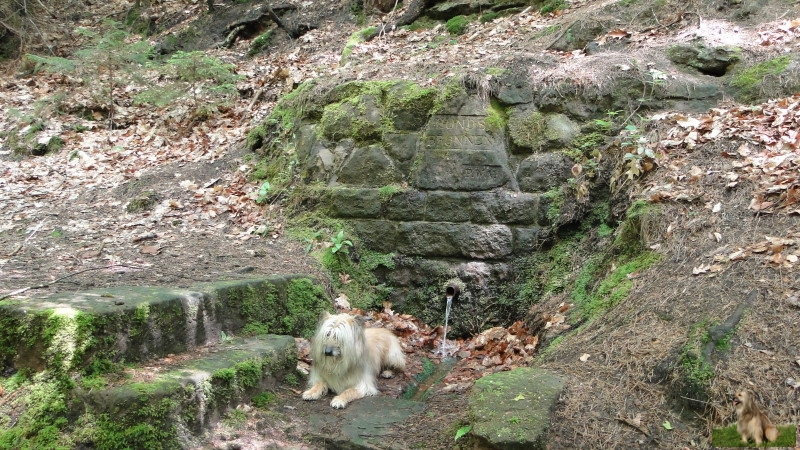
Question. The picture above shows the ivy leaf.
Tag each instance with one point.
(462, 431)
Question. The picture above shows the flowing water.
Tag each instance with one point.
(446, 349)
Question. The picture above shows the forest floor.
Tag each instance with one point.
(68, 221)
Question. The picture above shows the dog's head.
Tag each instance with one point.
(336, 333)
(742, 400)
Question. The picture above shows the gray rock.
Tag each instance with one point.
(542, 172)
(355, 203)
(714, 61)
(511, 410)
(368, 166)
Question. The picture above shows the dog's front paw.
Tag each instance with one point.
(387, 374)
(338, 402)
(314, 393)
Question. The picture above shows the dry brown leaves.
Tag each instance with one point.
(494, 350)
(768, 156)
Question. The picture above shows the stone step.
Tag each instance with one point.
(85, 331)
(169, 406)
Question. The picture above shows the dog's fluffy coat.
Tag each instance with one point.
(347, 357)
(752, 422)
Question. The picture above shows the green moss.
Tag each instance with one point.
(354, 39)
(144, 202)
(528, 130)
(630, 240)
(616, 286)
(553, 6)
(148, 425)
(555, 200)
(748, 81)
(264, 400)
(306, 300)
(489, 16)
(259, 44)
(496, 117)
(457, 25)
(385, 193)
(547, 31)
(43, 417)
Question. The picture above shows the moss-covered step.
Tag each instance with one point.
(156, 407)
(85, 330)
(511, 410)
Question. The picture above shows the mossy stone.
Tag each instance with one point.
(511, 410)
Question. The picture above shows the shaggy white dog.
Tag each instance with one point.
(347, 357)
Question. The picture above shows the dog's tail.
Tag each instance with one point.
(771, 433)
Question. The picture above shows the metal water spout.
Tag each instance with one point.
(451, 293)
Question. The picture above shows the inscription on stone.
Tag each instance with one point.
(457, 133)
(458, 154)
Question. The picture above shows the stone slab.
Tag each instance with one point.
(511, 410)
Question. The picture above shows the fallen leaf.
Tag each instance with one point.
(342, 302)
(519, 397)
(667, 425)
(150, 250)
(585, 357)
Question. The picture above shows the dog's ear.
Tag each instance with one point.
(360, 320)
(325, 315)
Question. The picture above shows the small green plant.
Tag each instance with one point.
(639, 157)
(463, 431)
(551, 6)
(263, 192)
(112, 59)
(264, 399)
(608, 123)
(340, 244)
(312, 241)
(657, 78)
(490, 16)
(224, 338)
(514, 419)
(57, 233)
(291, 379)
(208, 81)
(457, 25)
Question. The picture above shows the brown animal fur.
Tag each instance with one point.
(346, 359)
(752, 422)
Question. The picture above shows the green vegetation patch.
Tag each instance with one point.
(355, 39)
(729, 437)
(260, 43)
(496, 117)
(553, 6)
(748, 81)
(528, 129)
(278, 306)
(457, 25)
